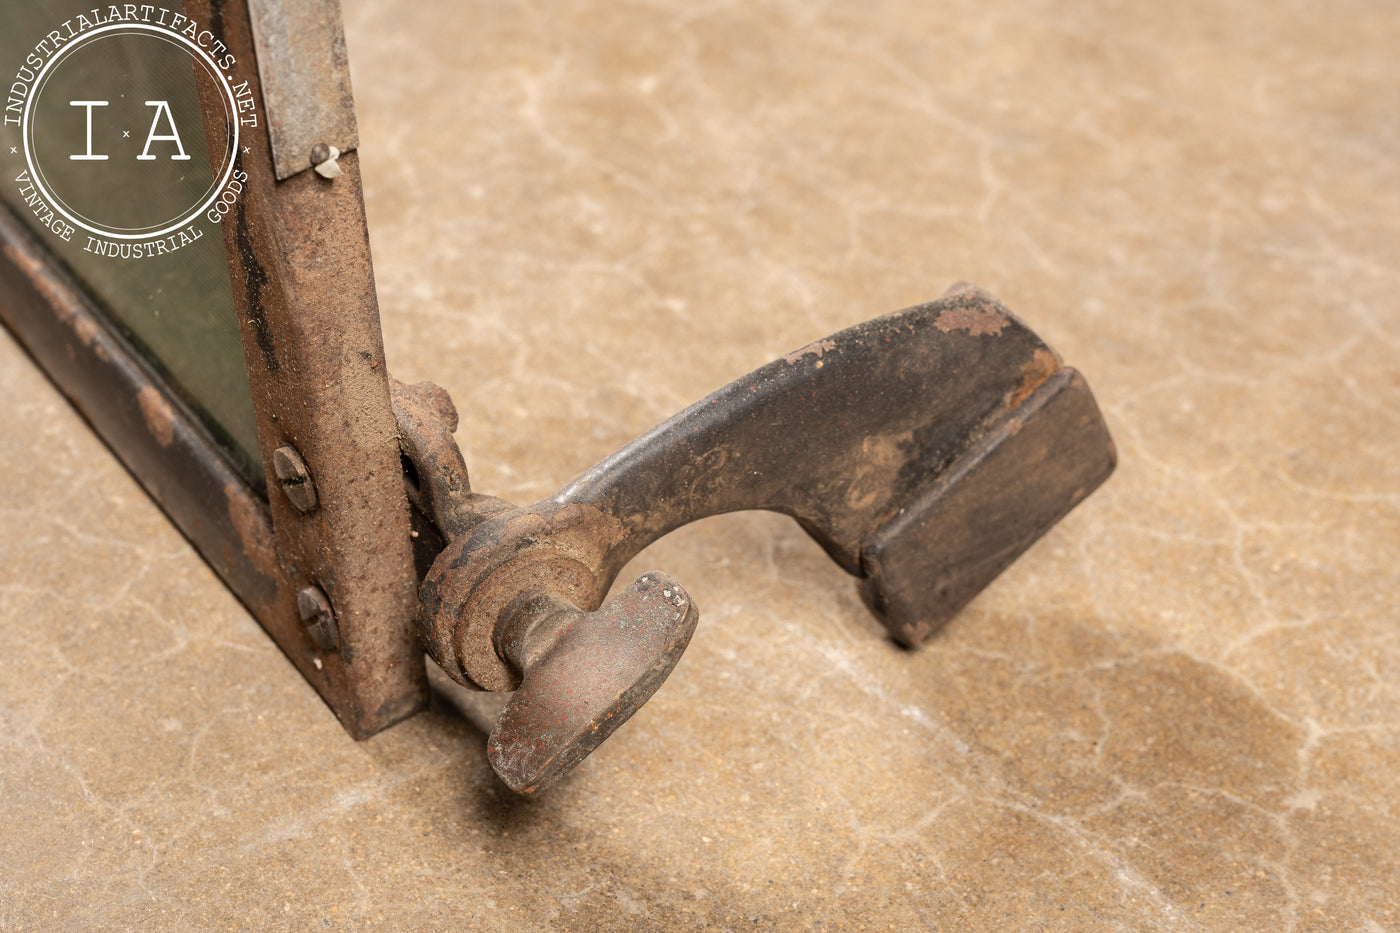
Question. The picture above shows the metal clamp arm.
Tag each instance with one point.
(924, 450)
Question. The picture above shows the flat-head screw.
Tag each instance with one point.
(294, 478)
(319, 618)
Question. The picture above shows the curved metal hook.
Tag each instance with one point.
(925, 450)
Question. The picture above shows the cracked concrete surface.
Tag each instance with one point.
(1179, 711)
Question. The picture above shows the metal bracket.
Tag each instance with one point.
(305, 77)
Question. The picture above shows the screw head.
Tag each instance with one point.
(320, 153)
(319, 618)
(294, 478)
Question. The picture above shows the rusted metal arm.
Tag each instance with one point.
(924, 450)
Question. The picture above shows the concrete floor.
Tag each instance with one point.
(1179, 711)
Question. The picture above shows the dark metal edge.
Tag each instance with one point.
(154, 434)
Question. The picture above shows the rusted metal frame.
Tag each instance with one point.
(924, 450)
(159, 439)
(303, 286)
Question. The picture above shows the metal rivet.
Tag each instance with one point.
(294, 478)
(323, 160)
(318, 617)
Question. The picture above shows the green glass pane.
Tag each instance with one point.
(106, 160)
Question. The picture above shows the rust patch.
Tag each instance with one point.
(253, 529)
(1041, 366)
(817, 348)
(86, 329)
(68, 311)
(601, 531)
(977, 320)
(58, 299)
(160, 418)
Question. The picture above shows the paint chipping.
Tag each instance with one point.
(160, 418)
(977, 320)
(86, 329)
(253, 528)
(61, 302)
(1041, 366)
(817, 349)
(65, 307)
